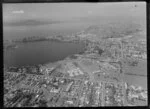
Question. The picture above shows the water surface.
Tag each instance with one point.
(34, 53)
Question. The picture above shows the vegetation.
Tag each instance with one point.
(73, 57)
(132, 62)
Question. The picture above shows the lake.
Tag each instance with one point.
(42, 52)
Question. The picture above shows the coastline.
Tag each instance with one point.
(57, 61)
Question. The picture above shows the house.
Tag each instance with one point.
(70, 102)
(55, 90)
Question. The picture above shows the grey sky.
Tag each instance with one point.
(66, 11)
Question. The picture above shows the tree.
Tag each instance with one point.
(134, 63)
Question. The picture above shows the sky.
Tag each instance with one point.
(67, 11)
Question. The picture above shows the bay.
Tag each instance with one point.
(34, 53)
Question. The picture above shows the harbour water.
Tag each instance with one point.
(34, 53)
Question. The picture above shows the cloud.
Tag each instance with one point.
(18, 12)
